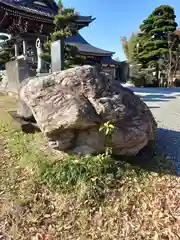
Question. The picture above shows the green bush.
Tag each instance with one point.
(139, 80)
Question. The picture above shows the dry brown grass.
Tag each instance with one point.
(139, 205)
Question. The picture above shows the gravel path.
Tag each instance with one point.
(165, 106)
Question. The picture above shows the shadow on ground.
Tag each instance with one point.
(161, 155)
(161, 91)
(154, 107)
(157, 98)
(156, 94)
(27, 125)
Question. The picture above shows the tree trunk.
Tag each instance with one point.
(170, 80)
(157, 74)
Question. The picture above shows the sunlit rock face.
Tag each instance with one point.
(71, 105)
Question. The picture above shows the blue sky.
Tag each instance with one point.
(115, 18)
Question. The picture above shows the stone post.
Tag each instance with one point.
(16, 50)
(57, 55)
(17, 74)
(114, 72)
(25, 49)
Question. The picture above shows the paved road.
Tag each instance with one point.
(165, 106)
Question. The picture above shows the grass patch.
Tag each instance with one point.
(44, 196)
(98, 173)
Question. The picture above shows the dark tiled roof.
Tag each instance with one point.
(19, 5)
(86, 48)
(48, 13)
(109, 60)
(43, 11)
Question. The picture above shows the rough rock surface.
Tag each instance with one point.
(4, 81)
(70, 106)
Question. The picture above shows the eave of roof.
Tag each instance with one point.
(15, 4)
(85, 48)
(109, 61)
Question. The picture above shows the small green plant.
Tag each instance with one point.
(107, 128)
(70, 171)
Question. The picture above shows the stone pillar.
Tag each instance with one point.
(25, 49)
(114, 72)
(57, 55)
(16, 50)
(17, 71)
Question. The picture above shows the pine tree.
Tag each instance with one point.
(155, 35)
(6, 50)
(65, 27)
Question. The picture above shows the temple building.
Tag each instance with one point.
(27, 20)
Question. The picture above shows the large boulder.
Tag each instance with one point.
(70, 106)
